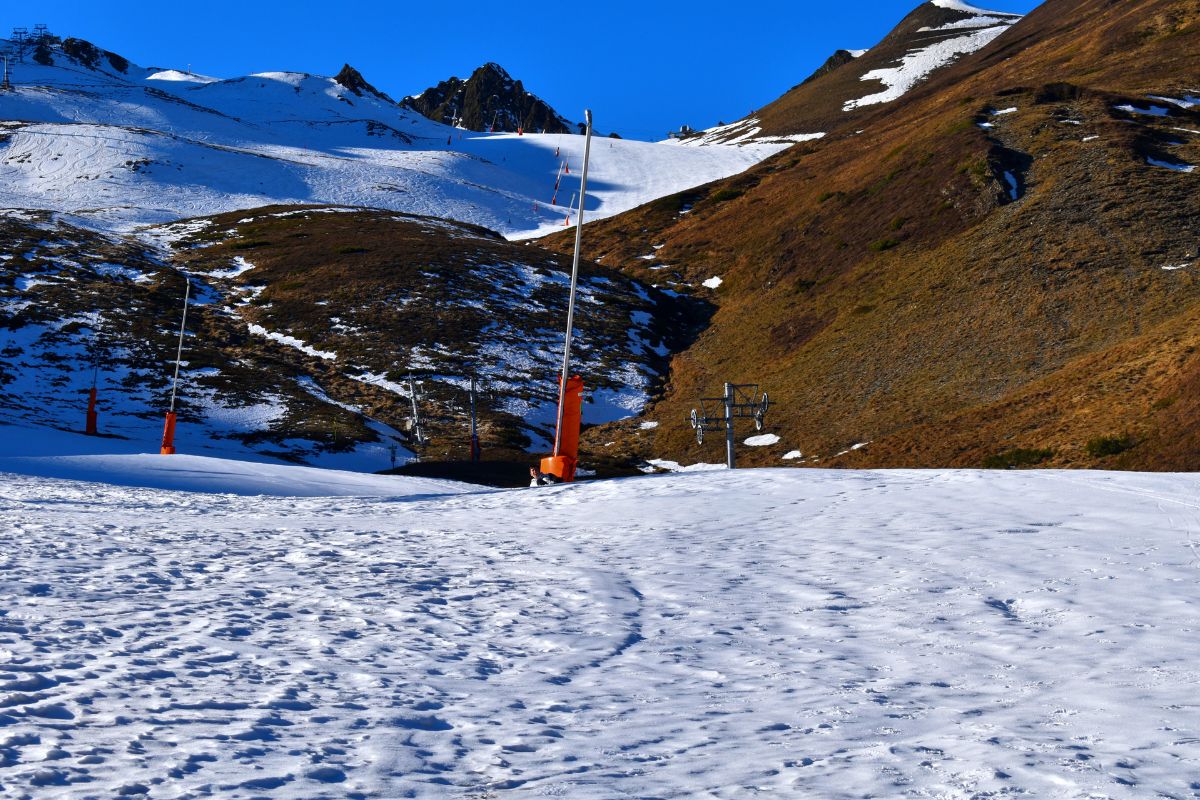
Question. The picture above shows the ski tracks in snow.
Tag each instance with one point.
(711, 635)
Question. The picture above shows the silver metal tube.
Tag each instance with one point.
(562, 381)
(412, 393)
(729, 438)
(179, 352)
(474, 430)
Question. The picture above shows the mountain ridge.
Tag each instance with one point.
(845, 88)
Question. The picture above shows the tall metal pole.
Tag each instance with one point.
(474, 432)
(566, 367)
(412, 393)
(729, 444)
(179, 352)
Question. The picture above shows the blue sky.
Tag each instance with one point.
(644, 67)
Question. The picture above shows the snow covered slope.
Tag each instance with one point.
(133, 146)
(127, 467)
(793, 633)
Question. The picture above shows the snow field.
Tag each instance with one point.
(803, 633)
(148, 148)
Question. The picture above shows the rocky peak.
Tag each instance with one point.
(491, 99)
(353, 80)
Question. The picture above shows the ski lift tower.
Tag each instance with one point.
(20, 42)
(739, 401)
(6, 85)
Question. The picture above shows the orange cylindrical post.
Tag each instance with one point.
(91, 413)
(168, 442)
(566, 455)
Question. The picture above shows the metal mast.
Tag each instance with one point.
(566, 366)
(179, 351)
(474, 427)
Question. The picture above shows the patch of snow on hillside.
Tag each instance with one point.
(1154, 162)
(176, 76)
(742, 133)
(122, 271)
(1014, 192)
(1152, 111)
(918, 64)
(966, 8)
(291, 341)
(675, 466)
(793, 137)
(240, 267)
(649, 425)
(713, 282)
(792, 455)
(380, 380)
(762, 440)
(970, 22)
(1187, 101)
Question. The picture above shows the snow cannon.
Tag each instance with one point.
(90, 430)
(168, 442)
(566, 443)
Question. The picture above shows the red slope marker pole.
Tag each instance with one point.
(557, 181)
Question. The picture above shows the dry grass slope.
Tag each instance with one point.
(952, 284)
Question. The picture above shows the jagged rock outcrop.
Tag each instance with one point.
(489, 100)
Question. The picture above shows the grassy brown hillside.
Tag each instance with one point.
(959, 281)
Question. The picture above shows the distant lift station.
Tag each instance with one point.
(741, 400)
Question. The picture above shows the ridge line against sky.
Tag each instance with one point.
(648, 67)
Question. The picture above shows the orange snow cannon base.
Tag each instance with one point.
(168, 442)
(563, 464)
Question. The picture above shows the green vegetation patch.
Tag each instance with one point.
(1104, 446)
(1017, 458)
